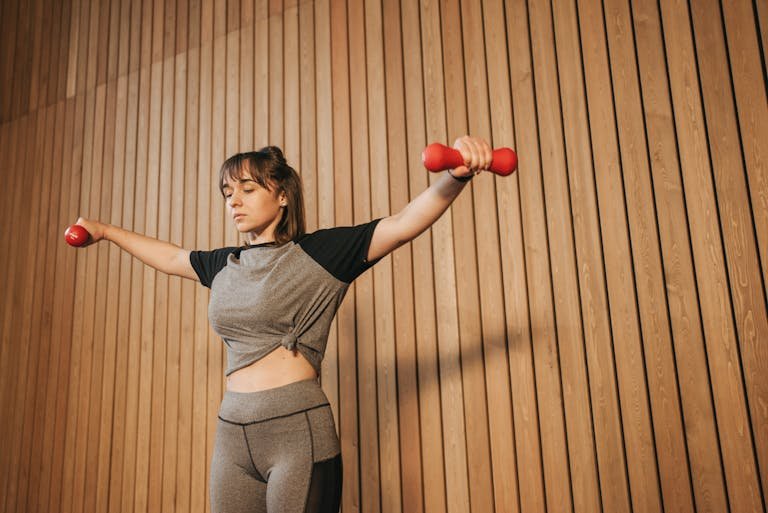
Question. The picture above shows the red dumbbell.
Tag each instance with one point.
(76, 235)
(439, 157)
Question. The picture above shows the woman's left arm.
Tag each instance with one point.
(398, 229)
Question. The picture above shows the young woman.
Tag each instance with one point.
(272, 302)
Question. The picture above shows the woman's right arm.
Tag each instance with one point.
(161, 255)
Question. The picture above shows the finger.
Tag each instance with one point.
(488, 153)
(474, 152)
(461, 146)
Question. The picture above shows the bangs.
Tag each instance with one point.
(242, 167)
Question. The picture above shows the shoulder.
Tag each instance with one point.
(207, 263)
(341, 250)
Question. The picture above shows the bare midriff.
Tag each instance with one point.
(280, 367)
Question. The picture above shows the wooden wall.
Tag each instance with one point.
(589, 334)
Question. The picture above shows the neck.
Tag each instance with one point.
(261, 238)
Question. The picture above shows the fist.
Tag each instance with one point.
(84, 233)
(76, 235)
(477, 155)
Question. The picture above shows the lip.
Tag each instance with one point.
(236, 216)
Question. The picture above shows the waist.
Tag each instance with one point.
(279, 367)
(252, 407)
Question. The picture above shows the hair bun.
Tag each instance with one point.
(274, 153)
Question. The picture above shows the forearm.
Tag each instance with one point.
(427, 207)
(153, 252)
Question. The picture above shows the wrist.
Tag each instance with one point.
(106, 232)
(462, 179)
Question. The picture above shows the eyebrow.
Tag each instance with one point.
(240, 180)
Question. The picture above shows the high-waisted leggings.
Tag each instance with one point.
(276, 451)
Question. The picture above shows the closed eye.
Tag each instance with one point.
(229, 194)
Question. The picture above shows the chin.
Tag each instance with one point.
(244, 229)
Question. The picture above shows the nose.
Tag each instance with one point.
(234, 198)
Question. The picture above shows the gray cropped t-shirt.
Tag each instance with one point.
(265, 296)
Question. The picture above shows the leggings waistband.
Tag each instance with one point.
(252, 407)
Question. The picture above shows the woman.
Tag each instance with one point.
(272, 301)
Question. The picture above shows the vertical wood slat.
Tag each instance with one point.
(719, 334)
(6, 136)
(48, 405)
(53, 47)
(130, 53)
(529, 495)
(100, 198)
(291, 113)
(149, 165)
(307, 107)
(611, 458)
(329, 373)
(246, 78)
(216, 145)
(752, 111)
(706, 476)
(379, 169)
(276, 132)
(632, 387)
(5, 349)
(190, 295)
(173, 163)
(673, 464)
(365, 329)
(39, 53)
(21, 301)
(109, 263)
(21, 64)
(141, 279)
(746, 55)
(9, 18)
(23, 447)
(63, 310)
(446, 371)
(71, 478)
(200, 420)
(342, 133)
(423, 307)
(37, 359)
(568, 317)
(534, 363)
(456, 487)
(737, 226)
(261, 76)
(405, 403)
(478, 472)
(493, 124)
(163, 355)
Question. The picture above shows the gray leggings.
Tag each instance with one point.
(276, 451)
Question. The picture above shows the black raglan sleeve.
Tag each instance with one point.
(208, 263)
(342, 251)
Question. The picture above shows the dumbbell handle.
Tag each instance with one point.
(439, 157)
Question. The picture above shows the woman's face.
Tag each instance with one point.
(253, 208)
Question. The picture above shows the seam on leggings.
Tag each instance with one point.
(311, 461)
(259, 477)
(271, 418)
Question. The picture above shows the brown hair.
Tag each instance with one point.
(268, 168)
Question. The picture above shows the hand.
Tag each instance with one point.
(477, 155)
(95, 229)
